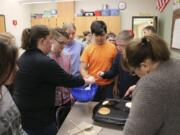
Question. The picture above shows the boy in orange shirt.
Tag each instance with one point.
(98, 56)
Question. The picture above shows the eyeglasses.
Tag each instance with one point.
(121, 45)
(89, 35)
(71, 33)
(60, 42)
(112, 40)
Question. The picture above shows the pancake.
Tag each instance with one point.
(104, 111)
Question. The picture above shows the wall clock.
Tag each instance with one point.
(122, 5)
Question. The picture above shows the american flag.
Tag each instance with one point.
(161, 4)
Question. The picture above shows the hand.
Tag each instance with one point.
(89, 80)
(100, 74)
(115, 91)
(130, 91)
(72, 99)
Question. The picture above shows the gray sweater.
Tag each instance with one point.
(10, 123)
(156, 102)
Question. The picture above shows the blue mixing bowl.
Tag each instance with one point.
(82, 95)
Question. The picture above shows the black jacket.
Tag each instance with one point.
(35, 83)
(125, 78)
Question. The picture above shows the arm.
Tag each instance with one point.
(83, 69)
(116, 88)
(88, 78)
(84, 62)
(82, 49)
(130, 91)
(54, 74)
(114, 70)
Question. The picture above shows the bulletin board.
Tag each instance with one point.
(175, 34)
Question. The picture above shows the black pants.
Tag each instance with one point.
(51, 129)
(61, 113)
(103, 92)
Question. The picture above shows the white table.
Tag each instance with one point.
(83, 112)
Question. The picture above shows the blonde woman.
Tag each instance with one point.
(63, 98)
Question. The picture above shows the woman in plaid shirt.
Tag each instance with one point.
(63, 98)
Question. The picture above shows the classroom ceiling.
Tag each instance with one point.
(43, 1)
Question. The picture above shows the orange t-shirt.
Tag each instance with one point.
(99, 58)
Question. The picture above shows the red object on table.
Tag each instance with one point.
(98, 13)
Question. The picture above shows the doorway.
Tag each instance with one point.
(2, 23)
(139, 22)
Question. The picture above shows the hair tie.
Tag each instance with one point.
(144, 42)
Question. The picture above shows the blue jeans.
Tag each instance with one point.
(49, 130)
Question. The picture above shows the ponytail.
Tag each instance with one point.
(30, 37)
(25, 39)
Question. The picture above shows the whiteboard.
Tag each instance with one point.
(176, 34)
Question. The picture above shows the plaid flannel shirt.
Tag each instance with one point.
(63, 94)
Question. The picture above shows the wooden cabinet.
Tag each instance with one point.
(62, 20)
(44, 21)
(80, 23)
(66, 9)
(66, 14)
(84, 23)
(52, 22)
(113, 24)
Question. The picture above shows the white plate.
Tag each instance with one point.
(128, 104)
(105, 102)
